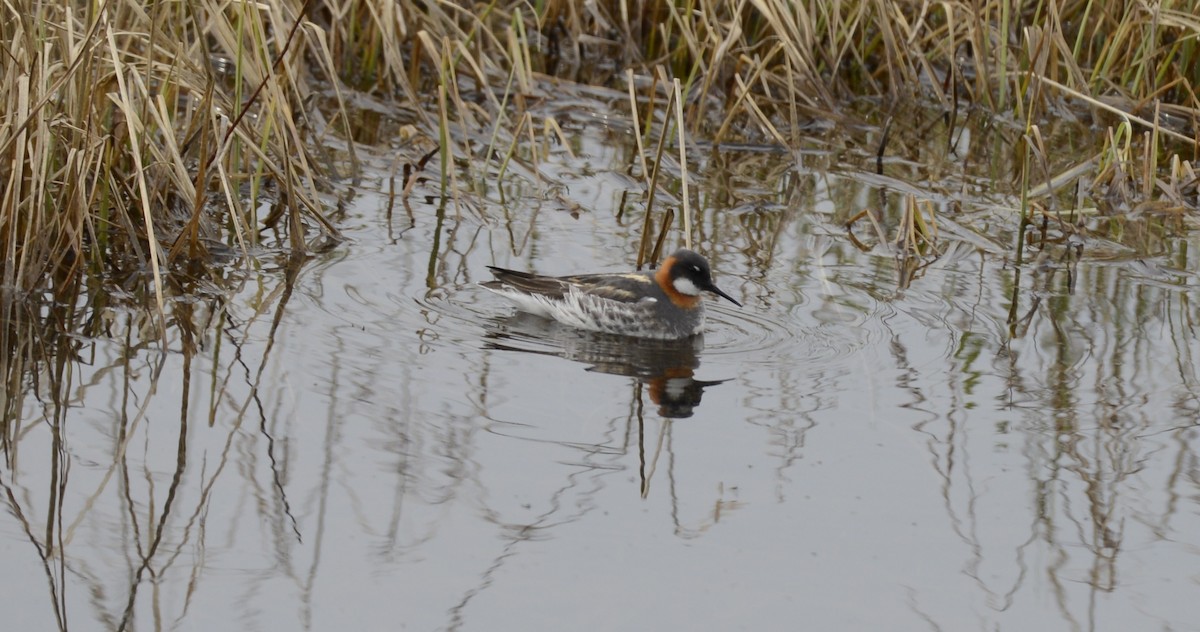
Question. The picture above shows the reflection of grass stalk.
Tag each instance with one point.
(917, 237)
(1026, 150)
(431, 270)
(1022, 226)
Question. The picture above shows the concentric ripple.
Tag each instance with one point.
(463, 312)
(469, 313)
(772, 335)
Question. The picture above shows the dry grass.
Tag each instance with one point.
(757, 71)
(139, 139)
(132, 137)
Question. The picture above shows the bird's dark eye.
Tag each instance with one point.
(696, 268)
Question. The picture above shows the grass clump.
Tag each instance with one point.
(134, 136)
(760, 71)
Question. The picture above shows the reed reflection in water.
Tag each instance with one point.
(365, 439)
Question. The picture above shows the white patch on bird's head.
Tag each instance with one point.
(684, 285)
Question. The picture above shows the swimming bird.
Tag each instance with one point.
(663, 304)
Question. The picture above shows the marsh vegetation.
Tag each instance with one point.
(1014, 183)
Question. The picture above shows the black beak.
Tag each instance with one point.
(712, 287)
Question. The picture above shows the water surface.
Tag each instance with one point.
(368, 440)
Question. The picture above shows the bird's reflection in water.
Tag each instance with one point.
(665, 367)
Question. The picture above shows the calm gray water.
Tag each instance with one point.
(376, 443)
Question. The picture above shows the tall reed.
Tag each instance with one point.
(135, 135)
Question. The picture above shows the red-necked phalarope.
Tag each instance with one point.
(660, 304)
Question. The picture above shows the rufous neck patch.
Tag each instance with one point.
(663, 277)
